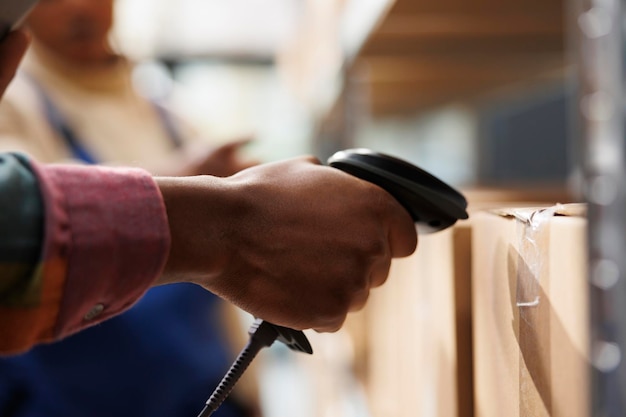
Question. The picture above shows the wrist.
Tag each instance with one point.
(200, 213)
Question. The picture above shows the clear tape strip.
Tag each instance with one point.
(533, 237)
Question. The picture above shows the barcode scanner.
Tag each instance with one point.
(432, 204)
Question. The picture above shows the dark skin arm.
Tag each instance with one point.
(294, 242)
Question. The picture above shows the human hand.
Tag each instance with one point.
(294, 243)
(220, 161)
(12, 48)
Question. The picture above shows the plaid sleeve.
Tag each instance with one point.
(21, 223)
(105, 240)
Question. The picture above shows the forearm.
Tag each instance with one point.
(105, 241)
(292, 242)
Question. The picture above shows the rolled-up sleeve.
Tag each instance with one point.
(105, 240)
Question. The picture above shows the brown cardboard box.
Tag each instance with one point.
(530, 309)
(415, 367)
(408, 353)
(413, 341)
(484, 198)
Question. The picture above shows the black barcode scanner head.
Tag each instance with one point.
(433, 204)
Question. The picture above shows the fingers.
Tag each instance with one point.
(234, 146)
(12, 49)
(243, 141)
(380, 271)
(402, 234)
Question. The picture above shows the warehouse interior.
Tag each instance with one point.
(518, 105)
(486, 95)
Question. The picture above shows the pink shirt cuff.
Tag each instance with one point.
(110, 225)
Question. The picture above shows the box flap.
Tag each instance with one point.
(531, 214)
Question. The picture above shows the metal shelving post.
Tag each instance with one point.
(600, 47)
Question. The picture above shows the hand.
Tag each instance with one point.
(293, 242)
(12, 49)
(221, 161)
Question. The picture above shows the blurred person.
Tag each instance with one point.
(72, 85)
(73, 100)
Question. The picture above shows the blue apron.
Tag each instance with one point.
(161, 358)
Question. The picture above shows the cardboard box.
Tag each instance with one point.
(413, 341)
(408, 353)
(414, 365)
(530, 312)
(486, 198)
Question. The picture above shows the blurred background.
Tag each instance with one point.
(479, 93)
(470, 91)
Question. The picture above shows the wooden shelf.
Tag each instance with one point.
(424, 53)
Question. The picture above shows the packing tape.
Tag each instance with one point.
(532, 247)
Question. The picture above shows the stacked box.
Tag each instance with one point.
(530, 312)
(412, 345)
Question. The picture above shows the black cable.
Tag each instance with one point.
(262, 334)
